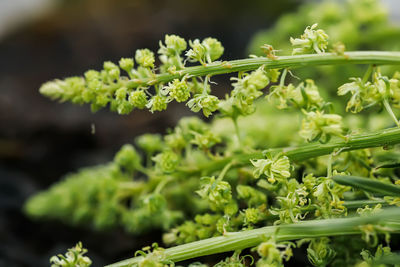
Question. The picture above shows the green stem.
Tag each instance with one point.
(283, 77)
(235, 123)
(224, 171)
(251, 238)
(162, 184)
(390, 111)
(329, 167)
(380, 138)
(215, 68)
(367, 74)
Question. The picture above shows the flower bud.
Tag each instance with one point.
(145, 58)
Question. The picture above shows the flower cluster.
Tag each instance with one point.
(74, 257)
(317, 125)
(216, 191)
(207, 103)
(208, 50)
(277, 168)
(305, 96)
(166, 161)
(273, 254)
(319, 252)
(124, 93)
(246, 89)
(365, 94)
(156, 184)
(311, 41)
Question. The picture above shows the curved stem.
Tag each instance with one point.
(224, 171)
(390, 111)
(296, 61)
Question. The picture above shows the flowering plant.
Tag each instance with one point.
(227, 185)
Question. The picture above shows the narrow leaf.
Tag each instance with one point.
(370, 185)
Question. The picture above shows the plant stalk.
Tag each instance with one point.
(381, 138)
(251, 238)
(296, 61)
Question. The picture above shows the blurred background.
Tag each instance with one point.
(41, 140)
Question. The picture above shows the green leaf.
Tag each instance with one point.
(370, 185)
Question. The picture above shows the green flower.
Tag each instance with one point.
(166, 161)
(256, 80)
(155, 203)
(208, 103)
(145, 58)
(205, 140)
(251, 216)
(178, 90)
(367, 94)
(127, 158)
(121, 93)
(312, 40)
(214, 49)
(306, 96)
(216, 191)
(319, 252)
(174, 45)
(124, 107)
(138, 99)
(197, 52)
(126, 64)
(112, 71)
(318, 125)
(356, 89)
(150, 143)
(246, 90)
(251, 195)
(303, 96)
(74, 257)
(157, 103)
(208, 50)
(269, 251)
(52, 89)
(274, 169)
(175, 140)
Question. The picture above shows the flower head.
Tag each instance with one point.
(312, 40)
(274, 169)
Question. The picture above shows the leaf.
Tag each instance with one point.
(370, 185)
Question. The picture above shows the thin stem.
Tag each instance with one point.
(390, 111)
(205, 84)
(283, 77)
(162, 184)
(235, 123)
(251, 238)
(367, 74)
(296, 61)
(224, 171)
(380, 138)
(329, 167)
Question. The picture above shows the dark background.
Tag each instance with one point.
(41, 140)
